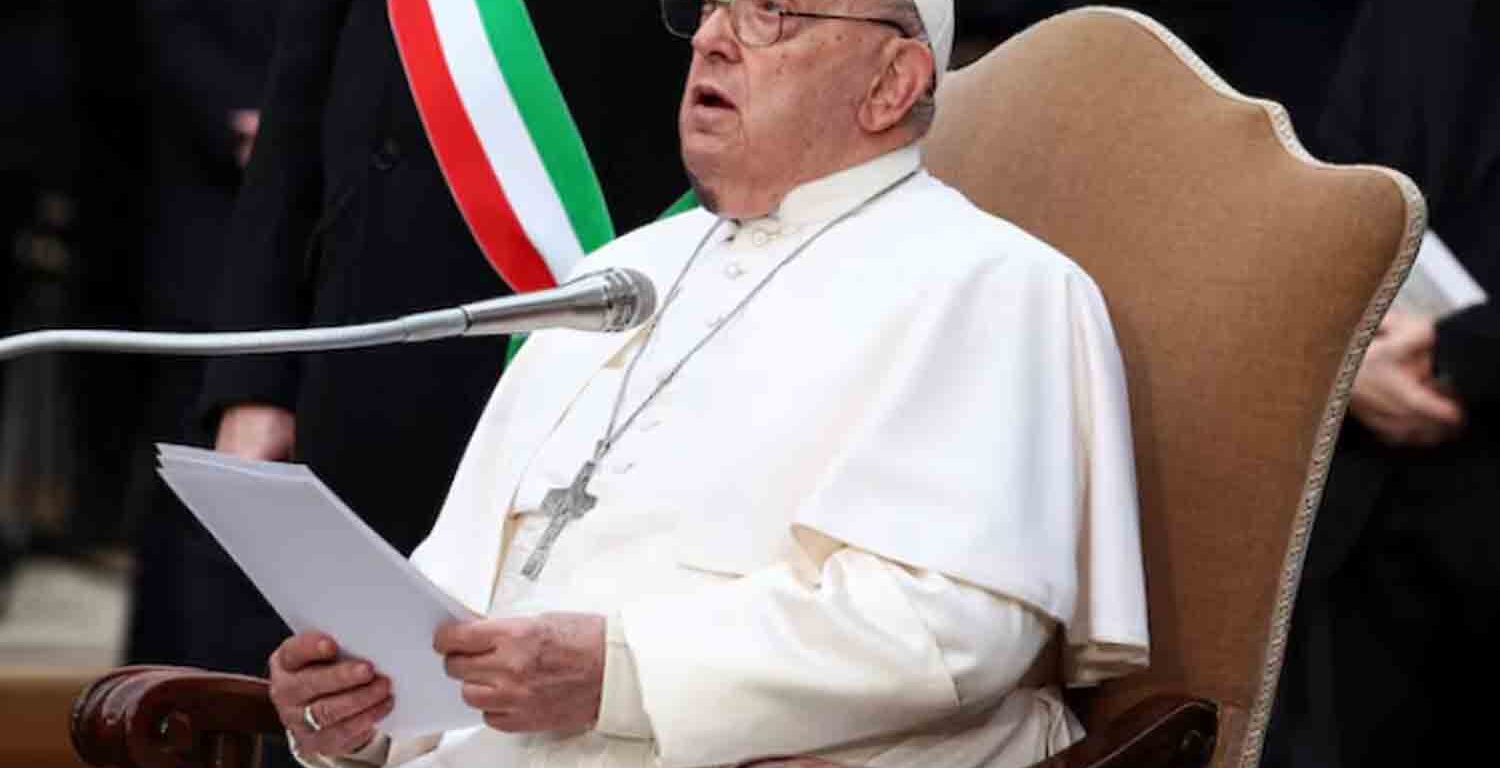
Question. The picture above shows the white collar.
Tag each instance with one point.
(824, 198)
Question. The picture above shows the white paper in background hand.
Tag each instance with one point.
(322, 568)
(1438, 284)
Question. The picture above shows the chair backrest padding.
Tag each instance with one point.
(1244, 280)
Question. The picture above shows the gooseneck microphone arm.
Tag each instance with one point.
(609, 300)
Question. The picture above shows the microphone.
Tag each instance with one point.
(609, 300)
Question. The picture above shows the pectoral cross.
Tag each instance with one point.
(563, 505)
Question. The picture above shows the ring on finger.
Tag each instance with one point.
(310, 719)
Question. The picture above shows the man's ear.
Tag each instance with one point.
(905, 78)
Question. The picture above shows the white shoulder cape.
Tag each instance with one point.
(927, 382)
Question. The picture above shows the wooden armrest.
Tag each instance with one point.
(1160, 732)
(169, 717)
(1165, 731)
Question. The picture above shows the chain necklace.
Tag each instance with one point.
(564, 505)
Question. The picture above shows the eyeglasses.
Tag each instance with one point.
(757, 23)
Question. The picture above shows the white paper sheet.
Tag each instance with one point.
(1438, 284)
(323, 569)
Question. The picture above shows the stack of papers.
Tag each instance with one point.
(1438, 284)
(323, 569)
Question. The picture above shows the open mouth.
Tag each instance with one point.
(710, 97)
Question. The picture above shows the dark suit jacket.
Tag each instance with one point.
(204, 59)
(345, 217)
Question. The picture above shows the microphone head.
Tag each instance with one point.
(629, 298)
(609, 300)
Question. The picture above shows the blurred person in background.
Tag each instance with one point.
(1401, 590)
(205, 65)
(36, 111)
(345, 217)
(1279, 49)
(69, 150)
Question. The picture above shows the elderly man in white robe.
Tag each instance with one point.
(868, 463)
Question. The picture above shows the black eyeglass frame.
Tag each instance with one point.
(781, 15)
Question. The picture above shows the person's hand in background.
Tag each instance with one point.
(1396, 394)
(258, 432)
(246, 126)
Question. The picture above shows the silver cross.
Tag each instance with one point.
(563, 505)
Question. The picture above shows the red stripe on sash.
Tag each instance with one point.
(471, 179)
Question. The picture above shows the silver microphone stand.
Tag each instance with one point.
(610, 300)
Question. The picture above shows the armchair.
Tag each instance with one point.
(1245, 280)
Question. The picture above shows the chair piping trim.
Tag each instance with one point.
(1338, 402)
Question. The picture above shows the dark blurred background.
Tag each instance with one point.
(73, 158)
(1282, 49)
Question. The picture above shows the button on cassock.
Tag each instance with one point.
(386, 157)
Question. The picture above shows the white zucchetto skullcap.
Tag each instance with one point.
(937, 17)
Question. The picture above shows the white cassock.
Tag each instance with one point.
(851, 523)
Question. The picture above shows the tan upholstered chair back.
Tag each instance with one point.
(1244, 280)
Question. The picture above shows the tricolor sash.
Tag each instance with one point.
(503, 136)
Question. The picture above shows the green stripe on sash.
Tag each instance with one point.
(524, 66)
(687, 202)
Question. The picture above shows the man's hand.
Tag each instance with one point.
(529, 674)
(245, 123)
(258, 432)
(346, 697)
(1395, 395)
